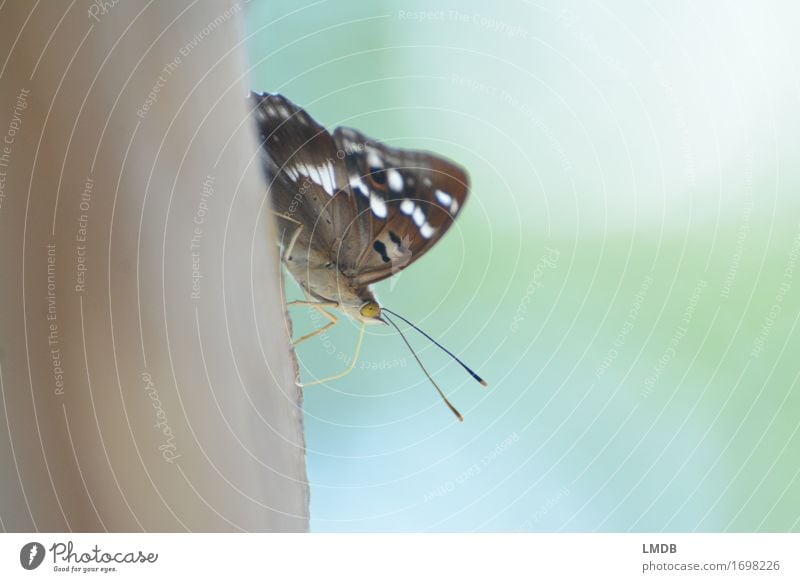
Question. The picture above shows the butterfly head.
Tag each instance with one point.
(370, 313)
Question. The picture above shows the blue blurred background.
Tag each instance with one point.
(624, 274)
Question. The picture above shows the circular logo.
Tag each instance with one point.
(31, 555)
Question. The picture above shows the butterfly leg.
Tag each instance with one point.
(287, 253)
(319, 306)
(349, 368)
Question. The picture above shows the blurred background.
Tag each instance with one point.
(625, 273)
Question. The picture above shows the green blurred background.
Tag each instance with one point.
(624, 274)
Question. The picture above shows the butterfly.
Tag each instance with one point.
(352, 210)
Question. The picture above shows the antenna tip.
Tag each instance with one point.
(484, 383)
(460, 418)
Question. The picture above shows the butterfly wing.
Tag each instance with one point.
(370, 208)
(307, 181)
(406, 201)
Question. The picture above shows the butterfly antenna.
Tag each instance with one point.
(448, 352)
(435, 385)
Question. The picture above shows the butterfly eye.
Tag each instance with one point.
(371, 310)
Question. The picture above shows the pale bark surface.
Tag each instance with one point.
(147, 381)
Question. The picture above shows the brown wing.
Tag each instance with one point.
(307, 181)
(370, 208)
(406, 200)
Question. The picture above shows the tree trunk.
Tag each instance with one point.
(147, 379)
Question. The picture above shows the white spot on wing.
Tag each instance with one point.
(395, 180)
(427, 230)
(444, 198)
(454, 206)
(326, 174)
(313, 173)
(357, 185)
(378, 205)
(373, 159)
(419, 216)
(407, 207)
